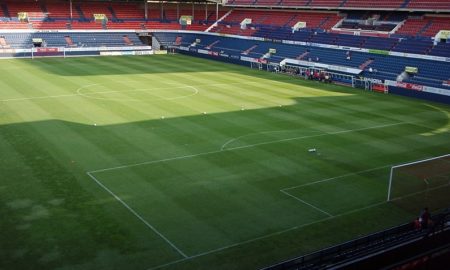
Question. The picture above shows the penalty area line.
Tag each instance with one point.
(137, 215)
(315, 136)
(269, 235)
(243, 147)
(336, 178)
(308, 204)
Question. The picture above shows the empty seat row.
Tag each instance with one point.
(81, 39)
(392, 4)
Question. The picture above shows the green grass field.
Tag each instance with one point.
(173, 162)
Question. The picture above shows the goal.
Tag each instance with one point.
(425, 182)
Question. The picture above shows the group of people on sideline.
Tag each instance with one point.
(308, 74)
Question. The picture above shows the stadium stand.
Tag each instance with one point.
(87, 10)
(55, 25)
(268, 23)
(435, 25)
(426, 4)
(34, 9)
(414, 248)
(3, 43)
(379, 21)
(325, 3)
(288, 3)
(431, 73)
(353, 38)
(383, 32)
(71, 39)
(427, 26)
(56, 15)
(85, 25)
(59, 11)
(441, 49)
(350, 4)
(126, 11)
(373, 4)
(15, 25)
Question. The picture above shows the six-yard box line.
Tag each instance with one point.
(284, 190)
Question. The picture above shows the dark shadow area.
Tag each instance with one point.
(54, 155)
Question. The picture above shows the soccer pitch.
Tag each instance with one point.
(174, 162)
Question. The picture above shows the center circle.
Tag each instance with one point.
(102, 92)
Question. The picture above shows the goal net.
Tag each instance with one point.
(421, 183)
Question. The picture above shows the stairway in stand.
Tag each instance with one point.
(366, 64)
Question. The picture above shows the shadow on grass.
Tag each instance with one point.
(47, 160)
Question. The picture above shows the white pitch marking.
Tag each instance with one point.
(42, 97)
(304, 202)
(258, 133)
(186, 258)
(421, 161)
(269, 235)
(335, 178)
(137, 215)
(293, 228)
(179, 86)
(196, 91)
(240, 147)
(318, 135)
(154, 161)
(89, 85)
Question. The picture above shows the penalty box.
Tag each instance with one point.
(209, 201)
(342, 194)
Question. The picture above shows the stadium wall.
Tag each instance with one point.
(227, 58)
(419, 94)
(75, 52)
(398, 88)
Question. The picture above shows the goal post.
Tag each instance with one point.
(425, 181)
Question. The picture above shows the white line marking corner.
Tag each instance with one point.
(137, 215)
